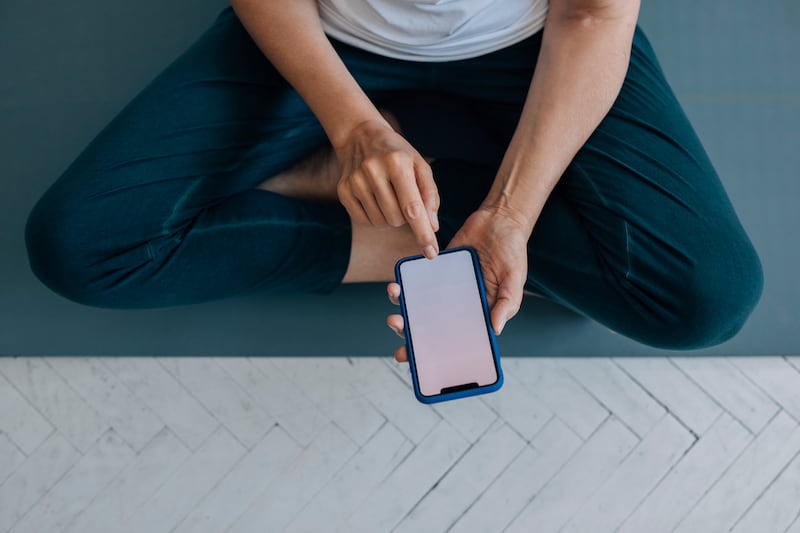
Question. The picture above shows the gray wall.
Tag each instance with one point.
(68, 68)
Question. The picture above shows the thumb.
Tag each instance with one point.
(457, 240)
(500, 315)
(509, 299)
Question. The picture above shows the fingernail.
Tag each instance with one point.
(429, 251)
(435, 219)
(500, 328)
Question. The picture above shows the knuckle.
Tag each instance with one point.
(397, 158)
(413, 209)
(348, 190)
(361, 189)
(425, 169)
(372, 166)
(424, 240)
(434, 200)
(347, 203)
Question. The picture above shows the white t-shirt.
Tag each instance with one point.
(432, 30)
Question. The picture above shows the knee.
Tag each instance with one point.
(56, 237)
(713, 298)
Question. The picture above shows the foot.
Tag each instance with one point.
(314, 178)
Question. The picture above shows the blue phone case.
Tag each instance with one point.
(492, 338)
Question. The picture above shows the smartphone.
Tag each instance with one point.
(452, 348)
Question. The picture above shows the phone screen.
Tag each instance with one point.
(446, 323)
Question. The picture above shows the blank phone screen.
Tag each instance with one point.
(447, 327)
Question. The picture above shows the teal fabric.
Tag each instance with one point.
(160, 209)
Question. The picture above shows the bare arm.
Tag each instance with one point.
(385, 181)
(582, 64)
(290, 34)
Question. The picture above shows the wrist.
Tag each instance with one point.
(341, 128)
(519, 192)
(512, 218)
(515, 200)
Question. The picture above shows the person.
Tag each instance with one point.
(301, 144)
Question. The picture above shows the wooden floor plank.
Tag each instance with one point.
(23, 424)
(336, 370)
(560, 393)
(396, 401)
(697, 471)
(368, 374)
(617, 392)
(401, 370)
(462, 485)
(519, 407)
(342, 496)
(101, 389)
(10, 457)
(746, 479)
(134, 485)
(793, 360)
(42, 469)
(325, 444)
(728, 386)
(166, 397)
(641, 471)
(278, 396)
(221, 396)
(71, 494)
(231, 497)
(589, 468)
(409, 482)
(298, 484)
(684, 399)
(795, 527)
(162, 512)
(470, 416)
(334, 395)
(776, 377)
(521, 481)
(56, 400)
(778, 507)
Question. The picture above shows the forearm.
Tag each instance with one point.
(579, 72)
(290, 35)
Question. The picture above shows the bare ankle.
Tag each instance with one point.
(375, 250)
(313, 178)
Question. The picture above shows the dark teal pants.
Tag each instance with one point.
(161, 208)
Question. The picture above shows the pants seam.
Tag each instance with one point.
(603, 201)
(627, 250)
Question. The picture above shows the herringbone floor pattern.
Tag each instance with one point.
(194, 445)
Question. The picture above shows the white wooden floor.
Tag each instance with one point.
(193, 445)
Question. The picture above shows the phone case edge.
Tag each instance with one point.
(492, 337)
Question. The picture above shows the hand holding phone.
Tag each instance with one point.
(451, 345)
